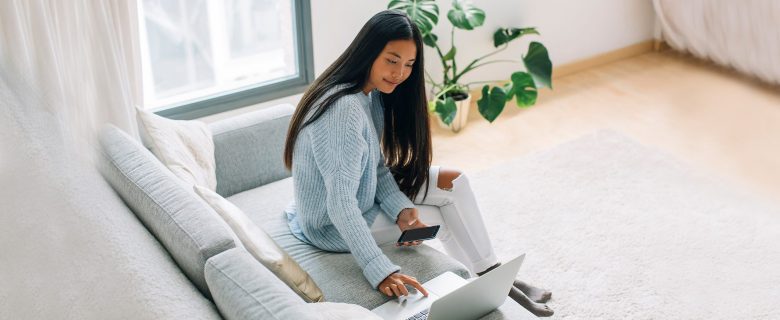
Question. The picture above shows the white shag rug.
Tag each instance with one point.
(618, 230)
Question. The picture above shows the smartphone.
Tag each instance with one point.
(426, 233)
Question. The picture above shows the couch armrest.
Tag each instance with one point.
(244, 289)
(249, 149)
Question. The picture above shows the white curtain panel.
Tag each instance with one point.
(69, 247)
(741, 34)
(80, 56)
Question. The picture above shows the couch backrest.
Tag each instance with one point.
(249, 149)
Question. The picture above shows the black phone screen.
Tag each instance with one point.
(426, 233)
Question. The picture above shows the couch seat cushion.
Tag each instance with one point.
(337, 274)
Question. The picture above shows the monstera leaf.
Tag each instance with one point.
(446, 109)
(504, 35)
(538, 64)
(492, 102)
(465, 16)
(523, 89)
(424, 13)
(429, 39)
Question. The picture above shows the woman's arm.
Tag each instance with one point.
(338, 148)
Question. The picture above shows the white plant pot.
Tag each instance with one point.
(461, 116)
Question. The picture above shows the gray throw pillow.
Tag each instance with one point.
(185, 225)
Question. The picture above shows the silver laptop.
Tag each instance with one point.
(452, 297)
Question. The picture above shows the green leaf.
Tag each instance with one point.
(446, 110)
(465, 16)
(424, 13)
(538, 64)
(450, 55)
(503, 35)
(429, 39)
(431, 106)
(491, 104)
(510, 91)
(523, 88)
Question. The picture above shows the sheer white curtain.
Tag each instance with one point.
(69, 247)
(80, 56)
(741, 34)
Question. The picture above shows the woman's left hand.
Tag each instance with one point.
(409, 219)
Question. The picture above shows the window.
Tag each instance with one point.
(201, 57)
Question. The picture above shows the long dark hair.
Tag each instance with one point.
(406, 140)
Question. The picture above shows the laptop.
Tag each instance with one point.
(452, 297)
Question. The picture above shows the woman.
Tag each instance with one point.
(376, 90)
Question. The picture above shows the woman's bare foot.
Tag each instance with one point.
(538, 309)
(534, 293)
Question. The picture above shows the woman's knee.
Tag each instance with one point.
(446, 178)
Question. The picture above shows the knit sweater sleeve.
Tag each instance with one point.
(338, 150)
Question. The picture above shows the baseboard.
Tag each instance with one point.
(604, 58)
(660, 45)
(597, 60)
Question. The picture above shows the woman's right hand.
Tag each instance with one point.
(395, 285)
(409, 219)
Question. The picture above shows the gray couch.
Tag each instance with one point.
(250, 173)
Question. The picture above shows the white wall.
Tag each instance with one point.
(571, 30)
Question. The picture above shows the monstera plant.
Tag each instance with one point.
(450, 91)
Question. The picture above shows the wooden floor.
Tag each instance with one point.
(708, 116)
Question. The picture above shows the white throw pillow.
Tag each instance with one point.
(262, 247)
(185, 147)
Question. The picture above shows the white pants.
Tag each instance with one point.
(462, 231)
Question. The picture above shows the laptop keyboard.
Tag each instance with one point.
(422, 315)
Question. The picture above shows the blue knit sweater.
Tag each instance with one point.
(341, 183)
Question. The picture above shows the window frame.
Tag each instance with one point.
(243, 97)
